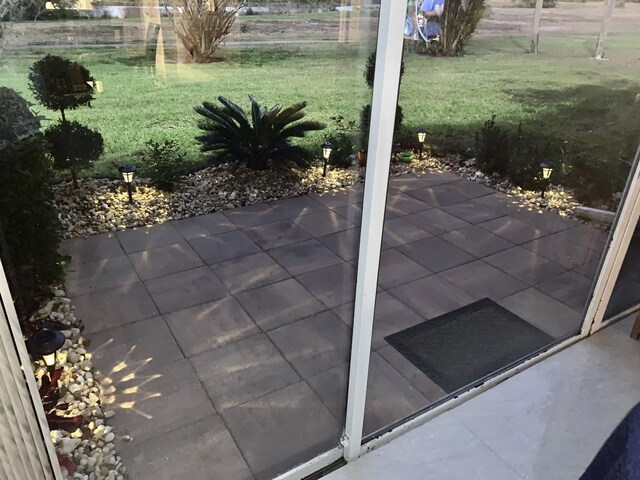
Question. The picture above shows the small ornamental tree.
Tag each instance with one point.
(60, 85)
(459, 21)
(86, 145)
(201, 25)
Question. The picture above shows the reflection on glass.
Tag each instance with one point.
(488, 257)
(212, 241)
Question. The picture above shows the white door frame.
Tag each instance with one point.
(383, 111)
(623, 229)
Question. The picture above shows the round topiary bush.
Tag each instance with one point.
(60, 84)
(17, 121)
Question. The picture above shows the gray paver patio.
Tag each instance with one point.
(225, 338)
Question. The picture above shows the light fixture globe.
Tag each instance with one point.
(422, 134)
(327, 147)
(127, 172)
(547, 169)
(45, 344)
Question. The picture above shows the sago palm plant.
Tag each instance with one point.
(262, 139)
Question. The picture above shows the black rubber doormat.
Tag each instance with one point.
(462, 347)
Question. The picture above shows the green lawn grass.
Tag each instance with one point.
(560, 92)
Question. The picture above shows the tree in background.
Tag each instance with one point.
(604, 29)
(201, 25)
(459, 22)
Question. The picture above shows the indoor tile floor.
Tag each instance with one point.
(225, 338)
(546, 423)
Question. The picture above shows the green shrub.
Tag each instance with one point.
(532, 3)
(17, 121)
(60, 84)
(258, 142)
(29, 227)
(73, 147)
(492, 148)
(163, 163)
(365, 113)
(343, 141)
(515, 155)
(459, 21)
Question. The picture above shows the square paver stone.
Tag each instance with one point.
(397, 269)
(435, 254)
(304, 257)
(339, 198)
(99, 275)
(570, 288)
(243, 371)
(473, 211)
(435, 221)
(276, 234)
(345, 244)
(153, 400)
(512, 229)
(323, 223)
(314, 344)
(278, 304)
(439, 196)
(296, 206)
(283, 429)
(199, 451)
(211, 325)
(204, 225)
(138, 239)
(562, 250)
(391, 316)
(114, 307)
(250, 271)
(121, 351)
(542, 219)
(224, 246)
(432, 296)
(399, 231)
(259, 214)
(333, 286)
(427, 387)
(525, 265)
(353, 213)
(476, 241)
(483, 281)
(90, 249)
(403, 204)
(390, 397)
(161, 261)
(185, 289)
(546, 313)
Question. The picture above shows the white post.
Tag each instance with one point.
(535, 29)
(383, 110)
(604, 29)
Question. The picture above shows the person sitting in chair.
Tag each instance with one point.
(432, 10)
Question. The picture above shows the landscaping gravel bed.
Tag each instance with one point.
(101, 205)
(90, 448)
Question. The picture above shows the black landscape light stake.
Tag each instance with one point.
(422, 136)
(547, 169)
(45, 344)
(327, 147)
(127, 172)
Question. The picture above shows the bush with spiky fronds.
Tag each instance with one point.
(259, 140)
(17, 121)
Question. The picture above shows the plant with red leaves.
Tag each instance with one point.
(50, 396)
